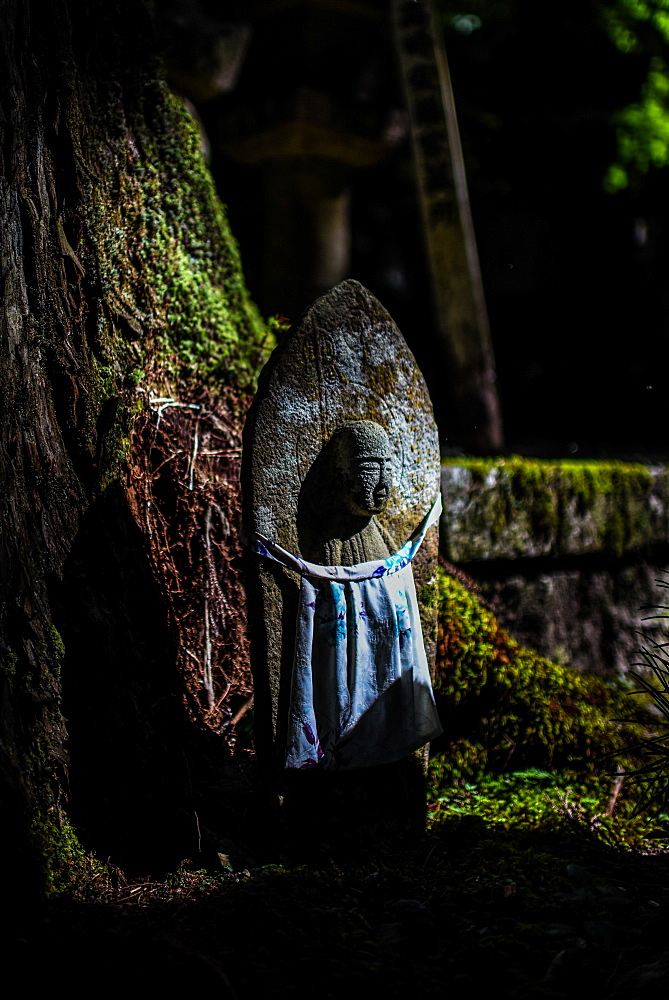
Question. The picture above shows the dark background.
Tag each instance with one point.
(574, 276)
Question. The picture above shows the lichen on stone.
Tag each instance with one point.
(511, 507)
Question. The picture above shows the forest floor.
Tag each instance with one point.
(471, 908)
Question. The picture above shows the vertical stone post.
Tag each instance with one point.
(460, 311)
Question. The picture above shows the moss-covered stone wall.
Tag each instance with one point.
(511, 508)
(505, 707)
(569, 552)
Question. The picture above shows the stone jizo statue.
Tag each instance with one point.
(360, 692)
(341, 476)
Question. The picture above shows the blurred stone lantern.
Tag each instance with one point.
(314, 103)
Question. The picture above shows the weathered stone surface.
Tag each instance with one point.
(345, 361)
(569, 553)
(511, 508)
(589, 617)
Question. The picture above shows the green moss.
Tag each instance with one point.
(65, 866)
(35, 749)
(157, 253)
(561, 505)
(505, 706)
(541, 800)
(10, 664)
(57, 642)
(184, 277)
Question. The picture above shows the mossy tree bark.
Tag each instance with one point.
(127, 339)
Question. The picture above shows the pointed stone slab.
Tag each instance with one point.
(345, 360)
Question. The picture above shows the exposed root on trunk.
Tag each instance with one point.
(185, 493)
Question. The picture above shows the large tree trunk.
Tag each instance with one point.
(126, 336)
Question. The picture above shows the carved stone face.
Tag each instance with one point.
(364, 467)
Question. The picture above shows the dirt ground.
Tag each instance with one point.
(469, 910)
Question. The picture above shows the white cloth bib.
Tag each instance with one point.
(361, 693)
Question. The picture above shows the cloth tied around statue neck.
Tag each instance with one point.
(361, 693)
